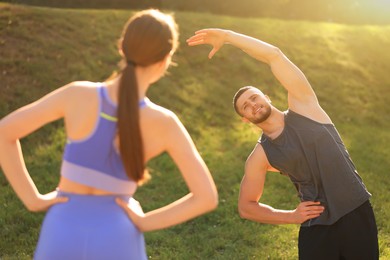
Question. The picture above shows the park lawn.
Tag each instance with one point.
(348, 66)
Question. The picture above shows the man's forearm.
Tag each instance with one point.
(266, 214)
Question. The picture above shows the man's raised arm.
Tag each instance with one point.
(290, 76)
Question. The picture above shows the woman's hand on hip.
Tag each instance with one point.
(45, 201)
(133, 210)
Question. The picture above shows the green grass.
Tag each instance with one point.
(348, 66)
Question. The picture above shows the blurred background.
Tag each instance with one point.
(340, 11)
(342, 46)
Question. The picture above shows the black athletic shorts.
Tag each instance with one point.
(354, 236)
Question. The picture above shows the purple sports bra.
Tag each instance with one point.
(94, 160)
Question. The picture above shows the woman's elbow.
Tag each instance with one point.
(214, 201)
(242, 211)
(6, 134)
(210, 201)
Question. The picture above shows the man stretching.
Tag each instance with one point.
(336, 217)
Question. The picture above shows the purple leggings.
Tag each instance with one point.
(89, 227)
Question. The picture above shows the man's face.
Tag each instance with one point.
(254, 106)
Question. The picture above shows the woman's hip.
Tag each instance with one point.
(89, 227)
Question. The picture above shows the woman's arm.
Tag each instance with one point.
(203, 193)
(17, 125)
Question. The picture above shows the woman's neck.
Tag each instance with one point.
(113, 88)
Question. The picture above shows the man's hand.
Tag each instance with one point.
(214, 37)
(306, 210)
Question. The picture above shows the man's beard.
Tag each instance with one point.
(263, 116)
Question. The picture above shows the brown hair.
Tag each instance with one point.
(148, 37)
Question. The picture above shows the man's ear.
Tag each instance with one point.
(267, 97)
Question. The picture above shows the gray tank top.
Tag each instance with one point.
(315, 159)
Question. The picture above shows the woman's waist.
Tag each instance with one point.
(69, 187)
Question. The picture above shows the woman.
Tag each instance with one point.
(110, 139)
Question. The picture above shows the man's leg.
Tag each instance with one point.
(318, 242)
(359, 232)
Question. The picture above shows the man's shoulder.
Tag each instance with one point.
(258, 159)
(257, 155)
(314, 113)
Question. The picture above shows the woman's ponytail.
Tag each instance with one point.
(148, 37)
(130, 141)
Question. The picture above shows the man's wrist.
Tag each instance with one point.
(289, 217)
(227, 36)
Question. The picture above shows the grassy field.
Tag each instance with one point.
(348, 66)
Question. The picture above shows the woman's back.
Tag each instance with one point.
(82, 120)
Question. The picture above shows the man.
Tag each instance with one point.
(337, 221)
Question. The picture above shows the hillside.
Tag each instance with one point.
(42, 49)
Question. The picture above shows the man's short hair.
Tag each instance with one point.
(237, 95)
